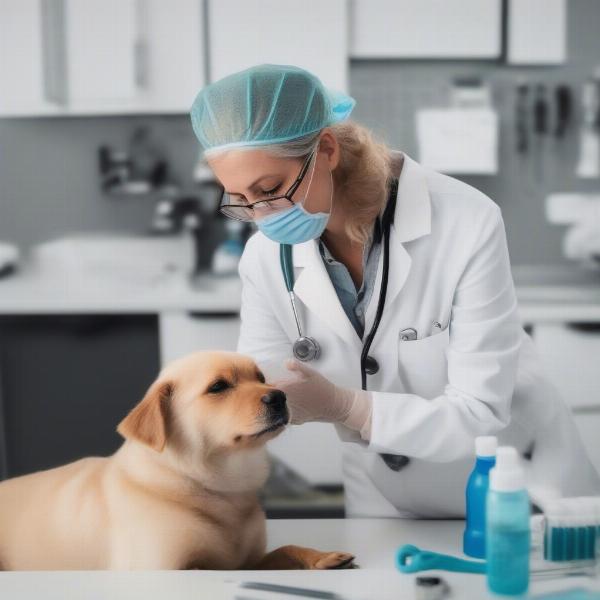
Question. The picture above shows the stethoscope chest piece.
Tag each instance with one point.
(371, 365)
(306, 349)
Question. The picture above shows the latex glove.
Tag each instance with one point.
(312, 397)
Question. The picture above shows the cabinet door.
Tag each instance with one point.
(171, 68)
(537, 32)
(182, 333)
(67, 381)
(21, 69)
(311, 34)
(99, 38)
(94, 57)
(425, 29)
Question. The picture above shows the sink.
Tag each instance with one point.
(125, 259)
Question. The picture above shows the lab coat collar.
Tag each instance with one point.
(412, 219)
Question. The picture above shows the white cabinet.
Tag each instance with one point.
(311, 34)
(93, 57)
(96, 42)
(182, 333)
(425, 29)
(571, 358)
(537, 32)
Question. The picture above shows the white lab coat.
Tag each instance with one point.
(476, 375)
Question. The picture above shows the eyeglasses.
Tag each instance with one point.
(248, 212)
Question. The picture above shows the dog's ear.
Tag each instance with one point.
(147, 422)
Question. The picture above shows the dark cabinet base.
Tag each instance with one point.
(67, 381)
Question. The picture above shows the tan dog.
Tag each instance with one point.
(180, 493)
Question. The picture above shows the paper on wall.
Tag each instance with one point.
(458, 140)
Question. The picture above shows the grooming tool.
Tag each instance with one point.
(410, 559)
(298, 592)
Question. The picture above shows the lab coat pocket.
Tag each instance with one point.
(422, 364)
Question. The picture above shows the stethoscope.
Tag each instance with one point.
(306, 348)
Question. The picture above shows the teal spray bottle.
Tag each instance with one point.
(476, 494)
(508, 536)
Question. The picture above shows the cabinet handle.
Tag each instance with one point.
(54, 54)
(140, 57)
(140, 45)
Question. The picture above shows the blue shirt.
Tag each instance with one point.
(353, 301)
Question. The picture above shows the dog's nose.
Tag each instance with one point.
(274, 399)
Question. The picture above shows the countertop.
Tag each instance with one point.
(556, 293)
(32, 290)
(373, 541)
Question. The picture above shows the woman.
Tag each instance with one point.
(448, 361)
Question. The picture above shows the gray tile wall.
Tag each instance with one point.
(48, 181)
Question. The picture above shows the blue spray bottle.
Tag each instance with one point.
(508, 536)
(476, 493)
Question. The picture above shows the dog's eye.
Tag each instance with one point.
(218, 386)
(260, 376)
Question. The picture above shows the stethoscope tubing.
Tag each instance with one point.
(306, 348)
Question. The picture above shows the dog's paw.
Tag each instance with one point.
(334, 560)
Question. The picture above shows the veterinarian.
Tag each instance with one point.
(387, 288)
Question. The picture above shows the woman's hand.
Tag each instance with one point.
(312, 397)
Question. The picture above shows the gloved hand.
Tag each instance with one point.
(312, 397)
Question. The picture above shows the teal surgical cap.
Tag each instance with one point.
(265, 104)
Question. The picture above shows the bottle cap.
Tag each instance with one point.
(485, 445)
(508, 475)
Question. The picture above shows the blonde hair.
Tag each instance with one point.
(361, 178)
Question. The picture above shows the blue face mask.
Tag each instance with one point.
(295, 224)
